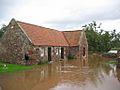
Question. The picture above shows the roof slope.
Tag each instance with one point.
(72, 37)
(43, 36)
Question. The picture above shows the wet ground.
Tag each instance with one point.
(67, 75)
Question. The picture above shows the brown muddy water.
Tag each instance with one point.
(67, 75)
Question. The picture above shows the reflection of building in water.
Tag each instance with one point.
(50, 76)
(50, 70)
(84, 61)
(0, 88)
(73, 72)
(118, 73)
(42, 75)
(118, 62)
(31, 80)
(112, 70)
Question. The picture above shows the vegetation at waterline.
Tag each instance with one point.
(112, 62)
(110, 55)
(5, 67)
(71, 57)
(100, 40)
(115, 48)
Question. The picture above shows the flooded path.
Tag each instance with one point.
(67, 75)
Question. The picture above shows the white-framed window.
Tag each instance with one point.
(41, 51)
(60, 50)
(45, 51)
(57, 51)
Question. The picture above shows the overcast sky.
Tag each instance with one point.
(62, 14)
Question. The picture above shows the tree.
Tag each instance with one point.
(93, 36)
(2, 30)
(100, 40)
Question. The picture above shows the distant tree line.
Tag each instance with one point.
(100, 40)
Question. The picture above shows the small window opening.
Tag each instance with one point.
(84, 51)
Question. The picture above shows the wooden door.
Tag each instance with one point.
(49, 54)
(62, 52)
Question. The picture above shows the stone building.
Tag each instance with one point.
(42, 44)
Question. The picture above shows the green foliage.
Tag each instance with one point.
(70, 57)
(2, 30)
(112, 62)
(115, 48)
(100, 40)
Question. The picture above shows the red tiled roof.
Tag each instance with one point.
(72, 37)
(43, 36)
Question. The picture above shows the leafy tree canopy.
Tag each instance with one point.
(100, 40)
(2, 30)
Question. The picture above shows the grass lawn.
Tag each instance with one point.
(14, 67)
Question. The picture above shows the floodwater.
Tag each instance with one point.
(66, 75)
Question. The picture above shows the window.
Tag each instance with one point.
(41, 52)
(60, 50)
(84, 51)
(45, 51)
(12, 26)
(57, 51)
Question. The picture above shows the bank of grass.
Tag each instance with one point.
(10, 68)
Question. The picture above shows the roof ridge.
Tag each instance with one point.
(73, 31)
(43, 36)
(36, 25)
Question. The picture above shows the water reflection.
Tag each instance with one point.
(92, 74)
(118, 73)
(0, 88)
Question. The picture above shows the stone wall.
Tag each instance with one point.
(73, 52)
(83, 44)
(41, 54)
(77, 51)
(14, 43)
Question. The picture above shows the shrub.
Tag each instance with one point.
(115, 49)
(110, 55)
(70, 56)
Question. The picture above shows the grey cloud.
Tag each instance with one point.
(76, 18)
(112, 12)
(8, 6)
(5, 6)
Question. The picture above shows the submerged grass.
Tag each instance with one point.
(112, 62)
(15, 68)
